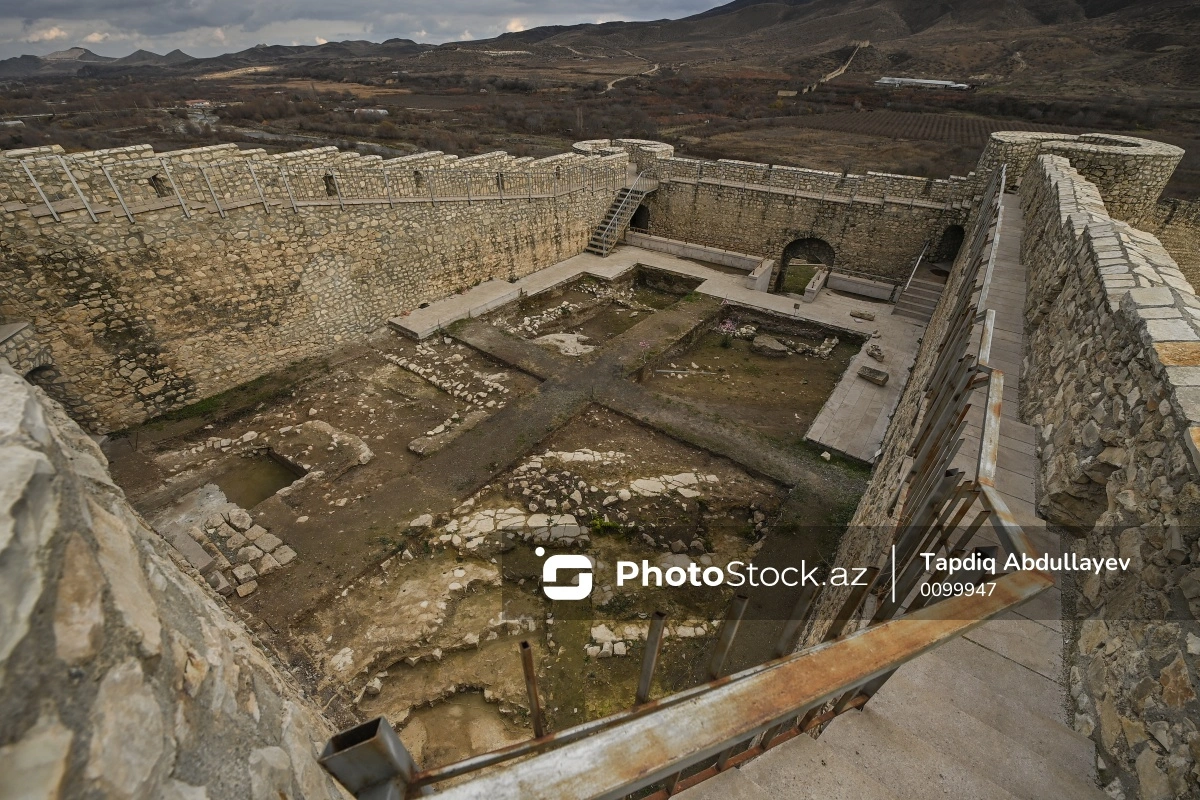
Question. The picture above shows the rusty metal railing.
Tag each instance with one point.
(885, 622)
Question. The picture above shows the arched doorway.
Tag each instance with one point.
(641, 218)
(47, 377)
(948, 246)
(799, 254)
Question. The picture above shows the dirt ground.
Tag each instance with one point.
(595, 309)
(817, 149)
(445, 617)
(779, 397)
(420, 619)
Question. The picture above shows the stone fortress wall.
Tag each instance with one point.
(1129, 172)
(1112, 383)
(1112, 380)
(119, 670)
(876, 223)
(1176, 223)
(159, 279)
(121, 673)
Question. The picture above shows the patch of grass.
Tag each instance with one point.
(797, 278)
(600, 525)
(840, 515)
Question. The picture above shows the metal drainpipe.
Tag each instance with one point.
(370, 761)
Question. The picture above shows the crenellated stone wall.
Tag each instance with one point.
(1129, 172)
(876, 223)
(1112, 382)
(1176, 223)
(146, 309)
(121, 675)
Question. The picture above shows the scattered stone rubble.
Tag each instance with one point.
(450, 375)
(618, 640)
(531, 326)
(778, 346)
(231, 538)
(550, 497)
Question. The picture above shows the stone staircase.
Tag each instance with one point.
(918, 299)
(609, 231)
(963, 721)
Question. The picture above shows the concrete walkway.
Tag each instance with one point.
(855, 416)
(982, 716)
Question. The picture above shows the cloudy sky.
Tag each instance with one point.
(211, 27)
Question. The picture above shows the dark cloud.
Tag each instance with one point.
(208, 27)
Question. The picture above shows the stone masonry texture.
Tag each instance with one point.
(149, 315)
(1113, 386)
(121, 675)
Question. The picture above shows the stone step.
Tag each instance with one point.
(1033, 727)
(916, 304)
(923, 292)
(908, 765)
(1026, 642)
(810, 768)
(1007, 678)
(903, 312)
(1006, 761)
(932, 286)
(731, 784)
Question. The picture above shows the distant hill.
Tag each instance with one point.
(1043, 45)
(76, 54)
(147, 58)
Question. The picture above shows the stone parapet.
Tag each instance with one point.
(121, 673)
(147, 305)
(1112, 382)
(1129, 172)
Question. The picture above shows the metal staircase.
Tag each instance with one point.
(616, 219)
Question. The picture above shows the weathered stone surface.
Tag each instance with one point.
(270, 773)
(878, 377)
(268, 542)
(768, 346)
(127, 739)
(1177, 683)
(249, 553)
(126, 579)
(1152, 781)
(78, 613)
(166, 681)
(244, 573)
(239, 519)
(34, 765)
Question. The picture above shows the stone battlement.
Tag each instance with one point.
(159, 280)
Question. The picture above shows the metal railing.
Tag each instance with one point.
(126, 188)
(815, 184)
(912, 274)
(606, 236)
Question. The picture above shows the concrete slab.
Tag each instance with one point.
(910, 767)
(813, 769)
